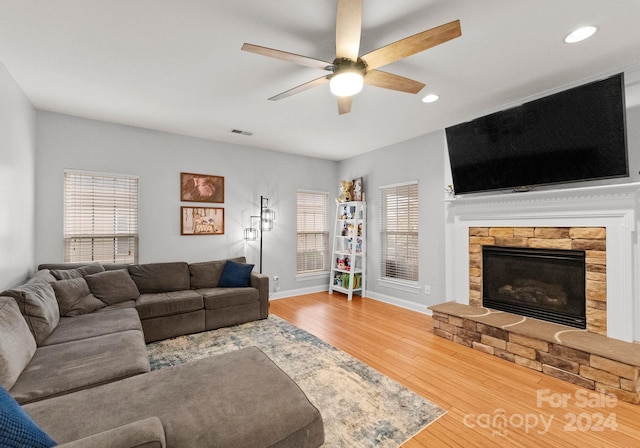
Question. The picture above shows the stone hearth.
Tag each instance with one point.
(586, 359)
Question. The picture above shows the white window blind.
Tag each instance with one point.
(399, 232)
(312, 232)
(100, 218)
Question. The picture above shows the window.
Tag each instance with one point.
(399, 232)
(100, 218)
(313, 233)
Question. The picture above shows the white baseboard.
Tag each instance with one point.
(420, 308)
(406, 304)
(297, 292)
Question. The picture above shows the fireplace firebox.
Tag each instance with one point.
(546, 284)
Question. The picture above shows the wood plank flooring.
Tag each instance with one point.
(490, 402)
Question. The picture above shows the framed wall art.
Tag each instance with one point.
(201, 221)
(201, 188)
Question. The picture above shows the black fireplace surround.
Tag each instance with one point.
(547, 284)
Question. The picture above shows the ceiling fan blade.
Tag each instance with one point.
(348, 29)
(412, 45)
(344, 104)
(301, 88)
(386, 80)
(285, 56)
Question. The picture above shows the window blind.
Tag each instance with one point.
(312, 232)
(399, 232)
(100, 218)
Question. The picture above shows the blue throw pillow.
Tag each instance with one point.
(17, 429)
(235, 275)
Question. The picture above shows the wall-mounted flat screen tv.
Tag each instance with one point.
(575, 135)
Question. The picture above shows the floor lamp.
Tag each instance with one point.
(265, 221)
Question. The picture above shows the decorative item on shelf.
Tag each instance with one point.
(345, 191)
(265, 224)
(349, 245)
(349, 229)
(356, 281)
(450, 191)
(357, 190)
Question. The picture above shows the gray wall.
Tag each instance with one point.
(31, 192)
(420, 159)
(17, 151)
(158, 158)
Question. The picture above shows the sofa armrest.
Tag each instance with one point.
(261, 283)
(147, 433)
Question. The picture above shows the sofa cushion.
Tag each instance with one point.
(207, 274)
(173, 325)
(147, 433)
(168, 303)
(106, 266)
(63, 368)
(160, 277)
(223, 297)
(42, 276)
(17, 429)
(235, 275)
(74, 297)
(113, 286)
(38, 305)
(238, 399)
(17, 344)
(65, 274)
(95, 324)
(120, 306)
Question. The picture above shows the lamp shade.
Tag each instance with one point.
(346, 83)
(250, 234)
(268, 216)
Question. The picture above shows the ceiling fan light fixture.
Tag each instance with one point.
(346, 83)
(580, 34)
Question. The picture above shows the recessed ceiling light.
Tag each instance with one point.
(580, 34)
(430, 98)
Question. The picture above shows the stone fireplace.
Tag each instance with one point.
(600, 220)
(589, 241)
(599, 226)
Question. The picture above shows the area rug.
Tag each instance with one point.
(360, 407)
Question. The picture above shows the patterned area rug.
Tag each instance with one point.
(360, 407)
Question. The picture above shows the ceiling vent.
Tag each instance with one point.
(241, 132)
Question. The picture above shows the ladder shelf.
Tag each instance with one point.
(348, 263)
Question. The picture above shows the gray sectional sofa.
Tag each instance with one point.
(72, 353)
(175, 298)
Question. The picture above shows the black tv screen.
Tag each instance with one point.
(575, 135)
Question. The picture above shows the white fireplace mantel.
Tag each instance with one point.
(615, 207)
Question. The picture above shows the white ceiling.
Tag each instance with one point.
(177, 66)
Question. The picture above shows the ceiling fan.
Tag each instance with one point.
(348, 71)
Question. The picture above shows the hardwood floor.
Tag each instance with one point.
(489, 402)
